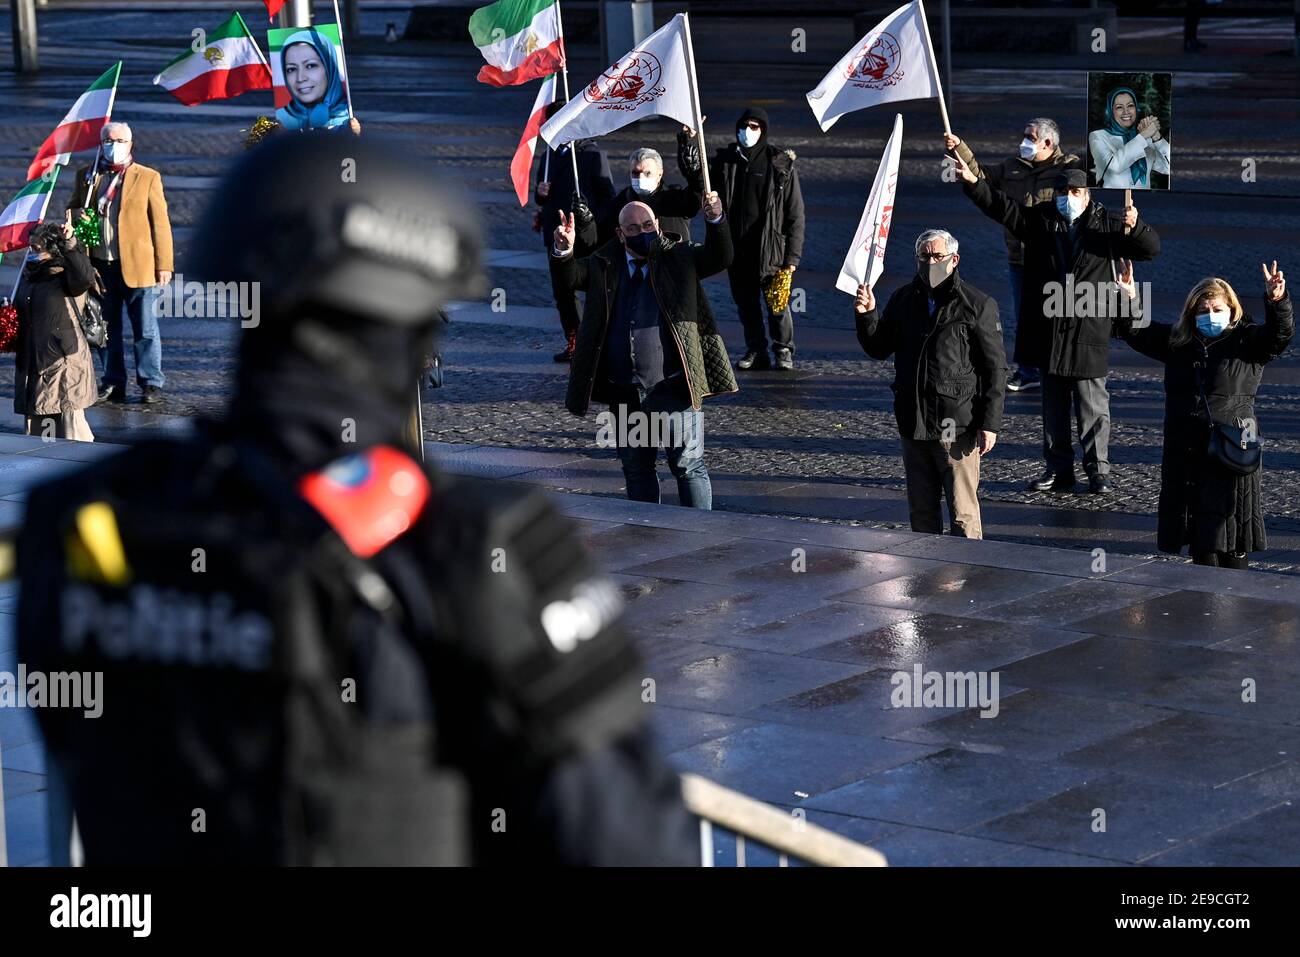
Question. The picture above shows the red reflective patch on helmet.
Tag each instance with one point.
(370, 498)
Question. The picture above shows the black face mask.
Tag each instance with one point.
(641, 243)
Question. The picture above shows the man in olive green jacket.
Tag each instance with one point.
(1028, 178)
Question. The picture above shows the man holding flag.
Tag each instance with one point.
(949, 381)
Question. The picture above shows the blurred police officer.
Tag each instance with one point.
(315, 650)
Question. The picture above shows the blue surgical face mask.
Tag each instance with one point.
(1070, 208)
(1028, 148)
(747, 137)
(1213, 323)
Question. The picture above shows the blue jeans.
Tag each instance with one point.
(1016, 276)
(683, 446)
(144, 329)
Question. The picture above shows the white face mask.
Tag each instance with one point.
(645, 183)
(117, 153)
(748, 137)
(935, 273)
(1028, 148)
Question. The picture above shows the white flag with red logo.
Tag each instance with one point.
(894, 61)
(866, 259)
(652, 80)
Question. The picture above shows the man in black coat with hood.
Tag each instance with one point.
(1071, 247)
(759, 187)
(555, 194)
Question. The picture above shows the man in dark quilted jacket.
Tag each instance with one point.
(648, 345)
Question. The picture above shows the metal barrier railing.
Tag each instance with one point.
(760, 823)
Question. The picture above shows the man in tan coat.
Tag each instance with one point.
(133, 257)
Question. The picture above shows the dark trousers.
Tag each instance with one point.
(1016, 278)
(747, 290)
(1091, 404)
(110, 361)
(937, 470)
(566, 302)
(683, 448)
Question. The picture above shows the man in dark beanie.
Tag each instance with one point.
(759, 187)
(1071, 246)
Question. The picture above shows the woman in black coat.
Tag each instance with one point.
(54, 376)
(1203, 505)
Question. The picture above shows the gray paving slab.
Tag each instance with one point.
(945, 643)
(1190, 617)
(800, 632)
(1036, 724)
(1252, 842)
(785, 764)
(953, 588)
(26, 827)
(950, 790)
(1141, 818)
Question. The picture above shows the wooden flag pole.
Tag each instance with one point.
(564, 68)
(934, 67)
(695, 103)
(343, 60)
(1128, 201)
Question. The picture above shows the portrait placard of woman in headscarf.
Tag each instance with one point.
(309, 69)
(1128, 120)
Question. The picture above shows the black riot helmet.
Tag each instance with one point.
(350, 224)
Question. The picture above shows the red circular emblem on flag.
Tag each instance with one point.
(631, 81)
(877, 63)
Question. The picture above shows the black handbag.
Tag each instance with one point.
(89, 309)
(1229, 444)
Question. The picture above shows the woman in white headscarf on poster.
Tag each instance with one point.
(1128, 149)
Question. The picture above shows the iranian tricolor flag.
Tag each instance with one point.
(522, 164)
(521, 40)
(228, 64)
(25, 212)
(80, 128)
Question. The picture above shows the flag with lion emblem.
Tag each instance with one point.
(219, 65)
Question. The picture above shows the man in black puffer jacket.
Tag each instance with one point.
(946, 341)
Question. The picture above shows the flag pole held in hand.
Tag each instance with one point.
(564, 72)
(695, 103)
(934, 66)
(343, 60)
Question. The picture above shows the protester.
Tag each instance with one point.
(54, 376)
(556, 195)
(759, 186)
(1069, 245)
(675, 206)
(1214, 357)
(133, 255)
(1125, 153)
(1029, 177)
(399, 699)
(318, 99)
(648, 343)
(949, 374)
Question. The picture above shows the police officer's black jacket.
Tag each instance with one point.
(947, 367)
(1202, 505)
(1071, 346)
(488, 722)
